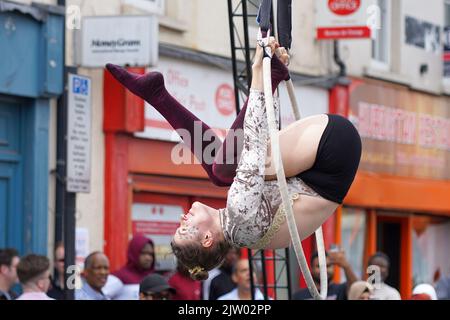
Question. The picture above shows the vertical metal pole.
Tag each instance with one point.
(65, 201)
(251, 270)
(69, 204)
(288, 274)
(69, 241)
(60, 192)
(60, 172)
(233, 56)
(275, 281)
(60, 156)
(264, 274)
(338, 60)
(247, 44)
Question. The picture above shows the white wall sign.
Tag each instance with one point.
(121, 40)
(79, 134)
(344, 19)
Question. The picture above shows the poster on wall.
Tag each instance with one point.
(422, 34)
(158, 222)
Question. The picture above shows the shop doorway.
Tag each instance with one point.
(389, 242)
(11, 168)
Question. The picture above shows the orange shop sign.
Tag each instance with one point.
(404, 133)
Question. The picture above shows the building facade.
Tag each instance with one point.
(398, 100)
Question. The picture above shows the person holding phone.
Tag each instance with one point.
(336, 291)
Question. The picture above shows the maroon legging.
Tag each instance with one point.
(150, 87)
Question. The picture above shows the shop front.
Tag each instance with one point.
(31, 74)
(399, 202)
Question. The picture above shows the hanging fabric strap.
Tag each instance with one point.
(284, 23)
(264, 16)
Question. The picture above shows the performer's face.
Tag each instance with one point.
(194, 223)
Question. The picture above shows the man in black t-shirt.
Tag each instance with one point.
(223, 283)
(335, 291)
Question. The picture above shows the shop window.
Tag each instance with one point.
(353, 239)
(431, 256)
(389, 241)
(381, 37)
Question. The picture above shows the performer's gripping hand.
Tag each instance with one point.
(283, 55)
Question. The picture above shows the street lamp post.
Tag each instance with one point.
(65, 201)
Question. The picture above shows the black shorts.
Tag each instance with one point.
(337, 160)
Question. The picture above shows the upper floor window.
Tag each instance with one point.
(153, 6)
(446, 41)
(447, 13)
(381, 38)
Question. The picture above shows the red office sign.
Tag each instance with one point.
(342, 19)
(344, 7)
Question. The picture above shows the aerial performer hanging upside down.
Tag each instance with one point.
(320, 155)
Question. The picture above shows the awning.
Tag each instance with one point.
(38, 11)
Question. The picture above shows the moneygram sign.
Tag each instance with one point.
(342, 19)
(122, 40)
